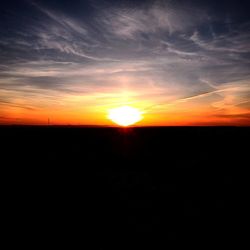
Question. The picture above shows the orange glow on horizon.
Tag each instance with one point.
(92, 109)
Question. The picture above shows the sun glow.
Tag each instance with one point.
(125, 116)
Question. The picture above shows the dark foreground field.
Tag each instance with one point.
(167, 184)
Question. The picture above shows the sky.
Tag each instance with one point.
(179, 62)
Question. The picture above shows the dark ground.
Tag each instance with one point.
(173, 184)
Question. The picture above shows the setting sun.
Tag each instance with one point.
(125, 116)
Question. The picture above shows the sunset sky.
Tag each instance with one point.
(178, 62)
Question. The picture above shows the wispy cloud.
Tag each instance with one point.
(159, 17)
(236, 41)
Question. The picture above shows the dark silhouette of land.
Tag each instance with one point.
(176, 183)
